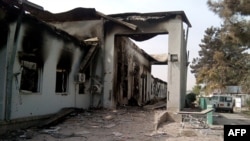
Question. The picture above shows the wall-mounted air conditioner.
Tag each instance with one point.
(81, 77)
(95, 89)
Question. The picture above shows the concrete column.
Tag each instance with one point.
(108, 98)
(176, 70)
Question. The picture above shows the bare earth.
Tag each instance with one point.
(124, 124)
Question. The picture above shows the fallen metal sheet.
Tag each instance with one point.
(157, 105)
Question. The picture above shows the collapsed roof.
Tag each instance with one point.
(132, 21)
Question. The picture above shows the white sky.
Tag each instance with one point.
(196, 11)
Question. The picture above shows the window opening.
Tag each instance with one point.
(30, 76)
(81, 88)
(61, 80)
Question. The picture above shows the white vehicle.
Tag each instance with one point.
(223, 102)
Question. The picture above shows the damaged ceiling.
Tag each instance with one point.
(77, 14)
(151, 17)
(132, 21)
(140, 19)
(129, 20)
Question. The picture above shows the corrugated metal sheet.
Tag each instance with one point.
(153, 17)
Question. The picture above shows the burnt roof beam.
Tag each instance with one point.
(129, 25)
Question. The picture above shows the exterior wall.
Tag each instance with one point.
(176, 70)
(53, 49)
(132, 73)
(3, 64)
(159, 88)
(103, 68)
(82, 29)
(85, 30)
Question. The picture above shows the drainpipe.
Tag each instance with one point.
(10, 66)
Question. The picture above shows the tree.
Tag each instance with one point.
(234, 14)
(190, 98)
(236, 26)
(245, 82)
(220, 61)
(196, 89)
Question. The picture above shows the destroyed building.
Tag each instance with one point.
(83, 58)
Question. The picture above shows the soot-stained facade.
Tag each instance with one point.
(40, 66)
(82, 58)
(134, 83)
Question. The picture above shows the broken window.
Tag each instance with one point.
(81, 88)
(30, 76)
(61, 80)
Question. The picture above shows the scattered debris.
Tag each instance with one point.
(108, 117)
(188, 133)
(27, 135)
(156, 134)
(160, 118)
(82, 133)
(117, 134)
(109, 125)
(63, 136)
(133, 124)
(51, 130)
(87, 114)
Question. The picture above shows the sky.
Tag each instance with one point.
(196, 11)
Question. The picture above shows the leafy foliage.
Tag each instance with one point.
(220, 61)
(235, 14)
(190, 98)
(196, 89)
(223, 59)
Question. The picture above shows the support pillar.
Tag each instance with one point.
(176, 68)
(108, 96)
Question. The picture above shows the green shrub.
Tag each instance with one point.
(190, 98)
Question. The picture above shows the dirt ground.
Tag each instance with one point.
(123, 124)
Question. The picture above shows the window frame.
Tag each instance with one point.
(62, 70)
(39, 78)
(84, 89)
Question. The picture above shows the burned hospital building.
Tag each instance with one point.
(83, 58)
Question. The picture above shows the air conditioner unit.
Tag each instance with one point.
(96, 89)
(81, 77)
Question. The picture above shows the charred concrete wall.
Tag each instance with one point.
(134, 83)
(52, 60)
(177, 71)
(158, 88)
(3, 63)
(83, 30)
(46, 65)
(173, 26)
